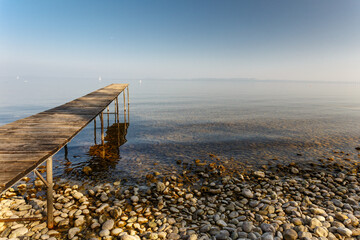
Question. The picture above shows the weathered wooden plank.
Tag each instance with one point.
(78, 111)
(25, 152)
(28, 142)
(10, 174)
(39, 129)
(33, 140)
(51, 119)
(20, 157)
(16, 162)
(26, 137)
(20, 134)
(17, 166)
(73, 109)
(46, 126)
(23, 147)
(4, 177)
(61, 116)
(43, 124)
(87, 103)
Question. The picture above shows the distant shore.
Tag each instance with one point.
(209, 201)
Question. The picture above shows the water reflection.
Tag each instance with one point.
(101, 159)
(110, 150)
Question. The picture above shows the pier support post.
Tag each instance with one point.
(102, 135)
(124, 108)
(95, 130)
(66, 151)
(49, 195)
(115, 103)
(117, 109)
(102, 128)
(128, 109)
(108, 121)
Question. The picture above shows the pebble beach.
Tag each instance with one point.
(208, 200)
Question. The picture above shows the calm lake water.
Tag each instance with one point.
(241, 121)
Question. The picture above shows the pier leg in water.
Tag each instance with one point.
(102, 128)
(117, 109)
(108, 121)
(49, 195)
(124, 108)
(115, 112)
(118, 138)
(102, 135)
(66, 153)
(95, 130)
(128, 109)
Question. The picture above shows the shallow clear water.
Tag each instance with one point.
(244, 121)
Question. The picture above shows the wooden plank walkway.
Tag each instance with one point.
(28, 142)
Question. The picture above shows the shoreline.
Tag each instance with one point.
(208, 201)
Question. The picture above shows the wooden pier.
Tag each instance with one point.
(27, 143)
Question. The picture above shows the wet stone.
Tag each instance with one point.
(341, 216)
(174, 210)
(160, 186)
(304, 235)
(290, 234)
(162, 235)
(174, 236)
(267, 236)
(128, 237)
(205, 228)
(344, 231)
(18, 232)
(222, 235)
(297, 221)
(314, 222)
(247, 226)
(267, 227)
(77, 195)
(108, 225)
(135, 199)
(247, 193)
(115, 213)
(104, 233)
(259, 174)
(221, 223)
(73, 231)
(317, 211)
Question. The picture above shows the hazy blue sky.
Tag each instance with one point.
(300, 40)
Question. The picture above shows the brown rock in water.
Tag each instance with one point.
(87, 170)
